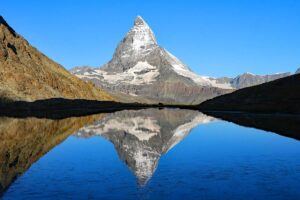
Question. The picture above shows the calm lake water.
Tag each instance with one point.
(150, 154)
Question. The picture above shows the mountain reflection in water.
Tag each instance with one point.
(140, 137)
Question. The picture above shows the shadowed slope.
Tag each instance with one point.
(282, 95)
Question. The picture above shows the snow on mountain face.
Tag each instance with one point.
(141, 68)
(129, 66)
(138, 43)
(139, 74)
(183, 70)
(139, 40)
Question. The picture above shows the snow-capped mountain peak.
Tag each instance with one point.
(148, 73)
(138, 41)
(141, 31)
(139, 21)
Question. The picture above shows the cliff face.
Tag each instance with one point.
(27, 74)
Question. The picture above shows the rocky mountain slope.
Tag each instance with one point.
(298, 71)
(281, 95)
(141, 137)
(249, 79)
(142, 71)
(27, 74)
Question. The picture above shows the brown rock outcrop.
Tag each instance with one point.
(27, 74)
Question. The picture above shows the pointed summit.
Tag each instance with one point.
(141, 28)
(141, 32)
(139, 21)
(137, 43)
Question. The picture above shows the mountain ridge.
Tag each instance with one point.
(27, 74)
(248, 79)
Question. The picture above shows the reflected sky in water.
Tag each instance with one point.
(162, 154)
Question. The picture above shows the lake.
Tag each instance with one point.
(151, 154)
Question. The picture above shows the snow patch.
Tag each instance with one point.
(219, 85)
(249, 73)
(141, 73)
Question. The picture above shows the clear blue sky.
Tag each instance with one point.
(215, 38)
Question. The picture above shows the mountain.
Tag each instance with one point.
(27, 74)
(141, 137)
(248, 79)
(142, 71)
(281, 95)
(298, 71)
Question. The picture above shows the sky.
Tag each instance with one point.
(214, 38)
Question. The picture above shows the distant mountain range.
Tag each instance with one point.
(27, 74)
(249, 79)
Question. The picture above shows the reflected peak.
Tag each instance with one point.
(141, 137)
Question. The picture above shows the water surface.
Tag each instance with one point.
(150, 154)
